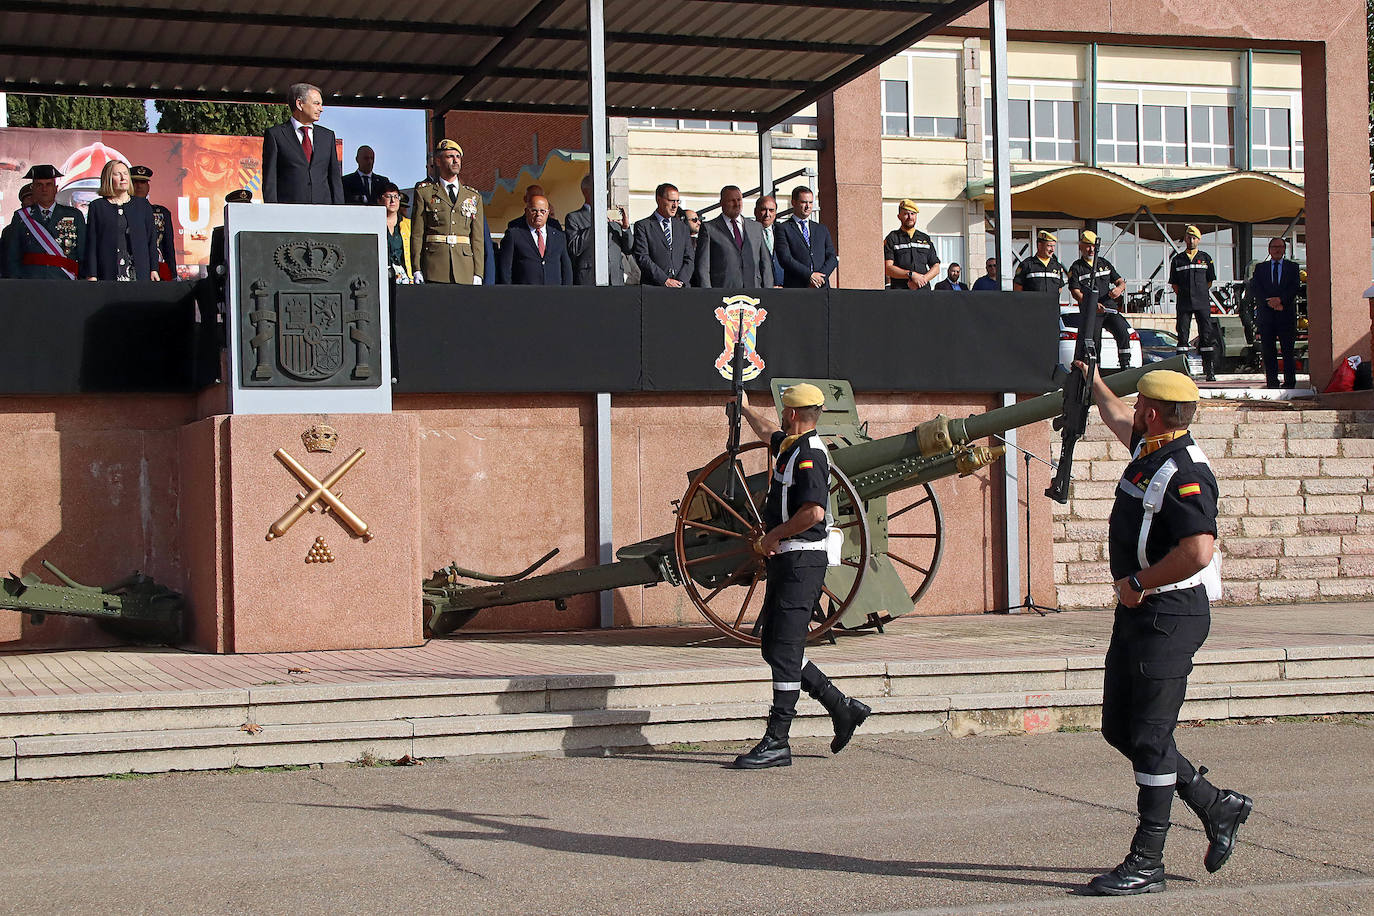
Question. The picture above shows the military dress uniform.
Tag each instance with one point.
(1102, 275)
(1037, 276)
(1193, 275)
(914, 252)
(163, 228)
(447, 241)
(1166, 494)
(795, 574)
(26, 258)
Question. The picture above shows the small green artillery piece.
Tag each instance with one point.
(135, 607)
(881, 500)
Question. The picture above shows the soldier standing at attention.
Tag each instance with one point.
(1161, 540)
(162, 223)
(48, 239)
(1091, 270)
(909, 258)
(1191, 274)
(25, 199)
(447, 225)
(794, 520)
(1042, 273)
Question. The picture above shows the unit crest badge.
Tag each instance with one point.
(740, 314)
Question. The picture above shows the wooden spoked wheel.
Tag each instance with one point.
(915, 537)
(714, 538)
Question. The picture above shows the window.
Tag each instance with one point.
(896, 110)
(1055, 136)
(1164, 132)
(1018, 133)
(1270, 138)
(1117, 134)
(1213, 141)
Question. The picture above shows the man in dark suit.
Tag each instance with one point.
(579, 231)
(766, 213)
(730, 249)
(952, 281)
(535, 253)
(663, 244)
(299, 162)
(362, 186)
(1275, 286)
(804, 248)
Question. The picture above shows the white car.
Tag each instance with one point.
(1107, 355)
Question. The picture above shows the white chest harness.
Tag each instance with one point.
(785, 476)
(1152, 497)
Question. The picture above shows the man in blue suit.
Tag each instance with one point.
(663, 246)
(1274, 287)
(534, 253)
(766, 212)
(804, 248)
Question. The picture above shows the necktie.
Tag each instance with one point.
(453, 195)
(768, 239)
(367, 187)
(739, 239)
(668, 233)
(305, 143)
(539, 233)
(806, 231)
(1276, 274)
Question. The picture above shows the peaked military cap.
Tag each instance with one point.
(43, 173)
(140, 173)
(241, 196)
(25, 191)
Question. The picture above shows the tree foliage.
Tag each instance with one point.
(65, 112)
(241, 120)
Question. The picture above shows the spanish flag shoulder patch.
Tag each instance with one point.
(1190, 489)
(808, 463)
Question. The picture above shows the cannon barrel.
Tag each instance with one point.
(940, 435)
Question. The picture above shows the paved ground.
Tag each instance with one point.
(27, 674)
(912, 824)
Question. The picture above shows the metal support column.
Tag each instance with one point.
(596, 70)
(765, 161)
(1001, 180)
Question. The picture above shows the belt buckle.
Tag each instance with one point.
(451, 239)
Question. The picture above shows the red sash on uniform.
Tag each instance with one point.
(54, 256)
(164, 270)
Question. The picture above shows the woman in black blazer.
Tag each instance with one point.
(121, 241)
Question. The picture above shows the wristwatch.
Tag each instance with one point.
(1134, 583)
(911, 275)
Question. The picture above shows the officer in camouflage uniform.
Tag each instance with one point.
(54, 251)
(163, 227)
(447, 224)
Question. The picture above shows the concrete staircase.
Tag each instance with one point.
(47, 737)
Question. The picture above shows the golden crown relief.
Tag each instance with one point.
(320, 438)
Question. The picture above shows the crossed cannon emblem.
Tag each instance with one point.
(319, 491)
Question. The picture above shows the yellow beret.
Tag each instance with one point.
(1046, 236)
(802, 395)
(447, 145)
(1194, 231)
(908, 204)
(1167, 385)
(1087, 235)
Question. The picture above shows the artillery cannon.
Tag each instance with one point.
(710, 552)
(135, 607)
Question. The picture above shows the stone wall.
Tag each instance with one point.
(1296, 512)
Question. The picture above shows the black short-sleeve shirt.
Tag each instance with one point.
(1036, 277)
(1100, 273)
(1190, 507)
(916, 252)
(1193, 275)
(810, 474)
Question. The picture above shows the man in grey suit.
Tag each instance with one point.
(578, 226)
(299, 162)
(663, 244)
(730, 249)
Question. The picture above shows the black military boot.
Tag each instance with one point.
(1221, 812)
(772, 751)
(1142, 871)
(846, 713)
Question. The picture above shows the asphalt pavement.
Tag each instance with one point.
(894, 824)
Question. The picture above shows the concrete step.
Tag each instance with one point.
(477, 724)
(636, 690)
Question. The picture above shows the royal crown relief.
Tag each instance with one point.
(310, 313)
